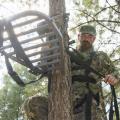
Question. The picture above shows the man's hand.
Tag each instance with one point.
(110, 79)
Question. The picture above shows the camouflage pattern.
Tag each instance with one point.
(101, 63)
(36, 107)
(88, 29)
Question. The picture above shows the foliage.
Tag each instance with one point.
(10, 100)
(12, 96)
(106, 18)
(31, 89)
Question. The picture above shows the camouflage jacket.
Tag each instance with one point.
(97, 60)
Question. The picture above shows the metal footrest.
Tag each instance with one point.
(32, 39)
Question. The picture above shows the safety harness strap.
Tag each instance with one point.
(13, 74)
(16, 77)
(87, 66)
(88, 106)
(19, 50)
(115, 103)
(90, 95)
(111, 111)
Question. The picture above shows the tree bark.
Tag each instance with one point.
(60, 91)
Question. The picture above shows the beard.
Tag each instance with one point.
(85, 45)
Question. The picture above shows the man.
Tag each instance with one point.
(85, 83)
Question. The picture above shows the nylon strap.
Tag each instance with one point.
(111, 111)
(13, 74)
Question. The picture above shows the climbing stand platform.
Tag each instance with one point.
(32, 39)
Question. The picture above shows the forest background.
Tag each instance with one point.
(104, 14)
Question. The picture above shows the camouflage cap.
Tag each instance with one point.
(88, 29)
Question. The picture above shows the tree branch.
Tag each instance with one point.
(104, 9)
(98, 21)
(112, 7)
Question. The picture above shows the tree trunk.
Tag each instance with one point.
(60, 91)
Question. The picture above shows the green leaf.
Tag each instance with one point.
(87, 3)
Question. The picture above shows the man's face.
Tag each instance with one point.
(86, 40)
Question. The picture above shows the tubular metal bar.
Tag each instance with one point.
(43, 24)
(33, 20)
(38, 53)
(46, 58)
(18, 49)
(25, 22)
(24, 33)
(40, 16)
(1, 33)
(29, 40)
(14, 59)
(22, 62)
(49, 63)
(30, 13)
(33, 47)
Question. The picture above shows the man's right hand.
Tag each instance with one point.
(110, 79)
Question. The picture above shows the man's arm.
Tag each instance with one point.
(111, 74)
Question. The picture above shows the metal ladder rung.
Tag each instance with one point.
(33, 47)
(24, 33)
(29, 40)
(41, 44)
(46, 58)
(25, 23)
(49, 63)
(43, 51)
(43, 27)
(28, 13)
(39, 52)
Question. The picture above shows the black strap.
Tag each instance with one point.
(16, 45)
(1, 33)
(77, 107)
(49, 82)
(13, 74)
(88, 62)
(87, 79)
(111, 111)
(115, 103)
(88, 105)
(16, 77)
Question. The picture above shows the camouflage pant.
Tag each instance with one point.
(96, 114)
(79, 92)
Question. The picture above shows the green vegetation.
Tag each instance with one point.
(105, 16)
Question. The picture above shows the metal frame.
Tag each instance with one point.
(18, 52)
(33, 40)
